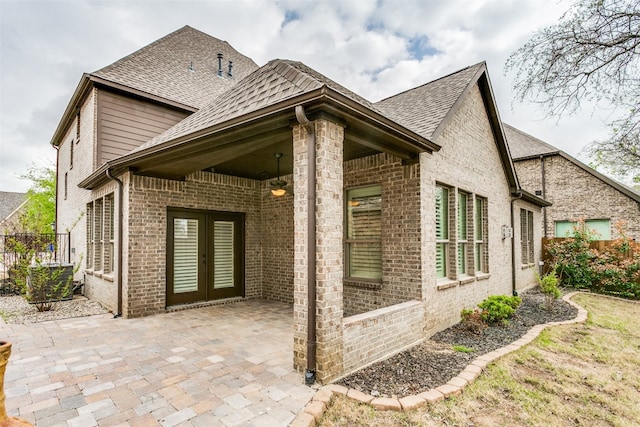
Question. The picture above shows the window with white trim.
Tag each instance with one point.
(364, 233)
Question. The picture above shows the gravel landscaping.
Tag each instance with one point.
(434, 362)
(15, 309)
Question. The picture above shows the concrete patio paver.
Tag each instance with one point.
(221, 365)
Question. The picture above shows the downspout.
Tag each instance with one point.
(544, 195)
(120, 216)
(57, 148)
(513, 244)
(310, 374)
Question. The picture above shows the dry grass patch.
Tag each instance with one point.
(583, 374)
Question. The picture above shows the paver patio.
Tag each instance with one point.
(222, 365)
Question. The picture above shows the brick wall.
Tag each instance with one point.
(400, 187)
(380, 333)
(469, 161)
(329, 249)
(146, 226)
(71, 205)
(276, 230)
(525, 276)
(575, 194)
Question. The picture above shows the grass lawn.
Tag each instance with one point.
(585, 374)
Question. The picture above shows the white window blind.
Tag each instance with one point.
(185, 255)
(364, 232)
(223, 257)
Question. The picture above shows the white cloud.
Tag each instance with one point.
(363, 45)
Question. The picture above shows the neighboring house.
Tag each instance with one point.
(11, 206)
(400, 213)
(576, 190)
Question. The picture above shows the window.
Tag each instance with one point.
(480, 235)
(442, 230)
(526, 236)
(90, 240)
(100, 234)
(463, 239)
(97, 234)
(364, 233)
(601, 226)
(66, 184)
(108, 234)
(78, 126)
(71, 155)
(461, 234)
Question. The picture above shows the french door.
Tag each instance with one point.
(205, 255)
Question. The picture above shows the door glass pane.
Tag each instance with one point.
(223, 259)
(185, 255)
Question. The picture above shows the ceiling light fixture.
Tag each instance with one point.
(277, 186)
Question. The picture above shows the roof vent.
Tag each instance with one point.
(219, 65)
(230, 72)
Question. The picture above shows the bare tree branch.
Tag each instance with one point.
(591, 54)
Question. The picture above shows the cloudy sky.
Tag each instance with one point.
(374, 47)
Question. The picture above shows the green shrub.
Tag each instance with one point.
(615, 270)
(549, 286)
(497, 309)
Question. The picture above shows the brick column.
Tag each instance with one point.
(329, 248)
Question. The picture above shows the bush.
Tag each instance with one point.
(615, 270)
(549, 287)
(497, 309)
(473, 321)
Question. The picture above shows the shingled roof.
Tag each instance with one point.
(424, 108)
(10, 202)
(276, 81)
(180, 67)
(524, 146)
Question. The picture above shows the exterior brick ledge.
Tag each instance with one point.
(310, 414)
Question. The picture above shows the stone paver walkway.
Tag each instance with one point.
(224, 365)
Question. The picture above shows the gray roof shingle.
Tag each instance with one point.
(522, 145)
(274, 82)
(9, 202)
(162, 68)
(423, 108)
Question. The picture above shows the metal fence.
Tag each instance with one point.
(50, 248)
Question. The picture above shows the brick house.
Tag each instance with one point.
(576, 190)
(412, 200)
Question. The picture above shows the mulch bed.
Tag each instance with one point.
(434, 362)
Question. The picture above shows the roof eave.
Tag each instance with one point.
(532, 198)
(130, 90)
(536, 156)
(621, 188)
(70, 112)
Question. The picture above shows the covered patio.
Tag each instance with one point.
(222, 365)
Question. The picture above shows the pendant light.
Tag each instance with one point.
(277, 186)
